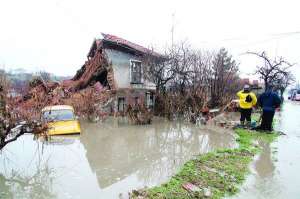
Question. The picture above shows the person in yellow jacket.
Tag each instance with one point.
(247, 100)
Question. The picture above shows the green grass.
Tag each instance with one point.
(221, 171)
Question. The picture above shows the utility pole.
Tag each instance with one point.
(172, 29)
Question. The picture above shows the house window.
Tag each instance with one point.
(136, 72)
(121, 104)
(136, 100)
(149, 100)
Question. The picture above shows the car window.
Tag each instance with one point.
(58, 115)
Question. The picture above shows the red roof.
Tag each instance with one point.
(129, 44)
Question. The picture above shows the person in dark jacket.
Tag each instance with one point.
(269, 101)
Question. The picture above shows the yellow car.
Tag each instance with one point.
(61, 120)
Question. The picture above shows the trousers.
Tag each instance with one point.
(266, 120)
(246, 114)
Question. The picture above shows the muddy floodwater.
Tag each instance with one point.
(275, 173)
(106, 161)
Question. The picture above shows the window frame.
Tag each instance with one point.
(132, 73)
(119, 105)
(149, 102)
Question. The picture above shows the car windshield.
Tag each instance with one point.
(298, 91)
(58, 115)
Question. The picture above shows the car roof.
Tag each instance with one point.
(58, 107)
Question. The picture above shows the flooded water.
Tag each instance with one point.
(275, 172)
(106, 160)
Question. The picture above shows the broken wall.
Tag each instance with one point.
(96, 69)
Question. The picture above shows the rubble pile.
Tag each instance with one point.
(88, 91)
(226, 119)
(96, 69)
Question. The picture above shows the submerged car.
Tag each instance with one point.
(61, 120)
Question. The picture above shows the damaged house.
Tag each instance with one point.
(120, 66)
(114, 79)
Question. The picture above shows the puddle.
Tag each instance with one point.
(105, 160)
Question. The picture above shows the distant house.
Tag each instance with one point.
(245, 81)
(256, 86)
(120, 65)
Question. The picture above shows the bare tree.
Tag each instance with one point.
(45, 76)
(15, 120)
(283, 81)
(194, 79)
(159, 71)
(273, 71)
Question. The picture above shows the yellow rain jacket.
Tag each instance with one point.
(243, 103)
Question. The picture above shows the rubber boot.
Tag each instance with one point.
(248, 124)
(242, 124)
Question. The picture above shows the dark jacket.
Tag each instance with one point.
(269, 101)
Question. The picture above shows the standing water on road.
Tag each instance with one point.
(275, 172)
(106, 160)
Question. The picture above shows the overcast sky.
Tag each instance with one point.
(55, 35)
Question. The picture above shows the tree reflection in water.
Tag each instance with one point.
(35, 186)
(150, 153)
(109, 157)
(179, 143)
(26, 174)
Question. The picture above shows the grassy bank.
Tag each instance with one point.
(214, 174)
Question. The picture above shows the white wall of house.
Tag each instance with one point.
(121, 64)
(121, 67)
(122, 71)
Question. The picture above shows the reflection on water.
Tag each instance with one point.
(106, 159)
(264, 165)
(36, 186)
(275, 170)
